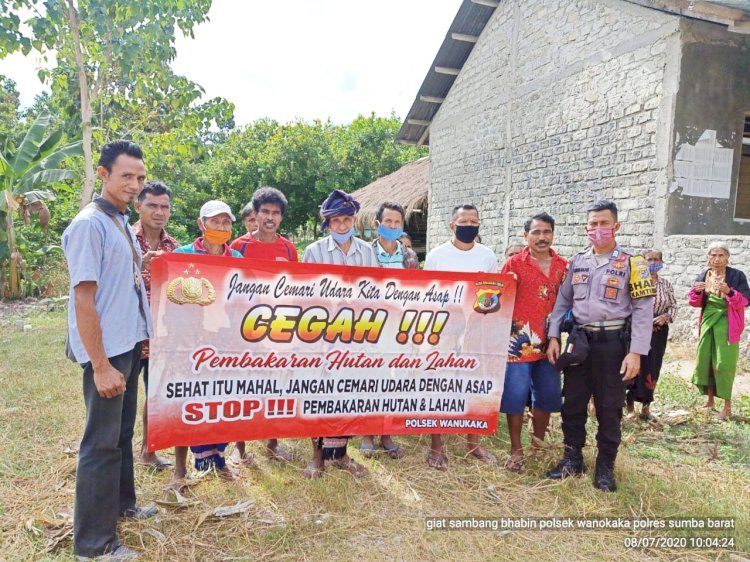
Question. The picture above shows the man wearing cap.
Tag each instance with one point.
(215, 223)
(611, 294)
(340, 247)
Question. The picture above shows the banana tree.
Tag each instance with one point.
(23, 171)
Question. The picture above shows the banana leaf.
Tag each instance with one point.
(44, 177)
(29, 148)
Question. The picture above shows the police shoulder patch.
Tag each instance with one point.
(640, 284)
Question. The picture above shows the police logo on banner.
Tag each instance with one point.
(488, 298)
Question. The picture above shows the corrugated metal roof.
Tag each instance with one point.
(471, 19)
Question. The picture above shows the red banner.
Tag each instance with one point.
(246, 350)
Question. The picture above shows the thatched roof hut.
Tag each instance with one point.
(407, 186)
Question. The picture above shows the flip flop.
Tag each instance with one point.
(179, 485)
(279, 454)
(227, 474)
(438, 461)
(158, 464)
(313, 472)
(396, 452)
(484, 456)
(515, 464)
(247, 460)
(368, 451)
(163, 464)
(351, 466)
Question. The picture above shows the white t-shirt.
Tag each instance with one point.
(447, 257)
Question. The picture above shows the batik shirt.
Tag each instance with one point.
(664, 302)
(535, 299)
(166, 244)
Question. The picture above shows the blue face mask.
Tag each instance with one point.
(655, 267)
(342, 238)
(390, 234)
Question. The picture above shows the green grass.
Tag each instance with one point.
(692, 465)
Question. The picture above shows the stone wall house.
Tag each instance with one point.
(551, 104)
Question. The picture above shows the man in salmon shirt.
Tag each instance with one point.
(540, 273)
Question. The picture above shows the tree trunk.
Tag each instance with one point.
(83, 86)
(14, 289)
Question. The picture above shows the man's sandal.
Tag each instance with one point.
(482, 455)
(227, 474)
(157, 464)
(396, 452)
(368, 451)
(179, 485)
(515, 464)
(351, 466)
(313, 472)
(247, 459)
(438, 461)
(279, 454)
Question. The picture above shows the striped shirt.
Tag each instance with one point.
(665, 303)
(326, 250)
(394, 260)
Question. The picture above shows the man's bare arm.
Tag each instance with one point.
(108, 380)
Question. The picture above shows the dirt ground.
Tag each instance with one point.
(680, 359)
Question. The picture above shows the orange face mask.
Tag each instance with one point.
(216, 236)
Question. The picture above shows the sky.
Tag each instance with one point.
(308, 59)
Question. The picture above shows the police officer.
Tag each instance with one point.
(611, 295)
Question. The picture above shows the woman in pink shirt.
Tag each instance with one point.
(722, 293)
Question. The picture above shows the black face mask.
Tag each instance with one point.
(466, 234)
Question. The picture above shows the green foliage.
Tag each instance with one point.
(305, 160)
(9, 104)
(112, 78)
(365, 150)
(188, 142)
(36, 163)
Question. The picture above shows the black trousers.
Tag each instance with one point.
(598, 376)
(104, 480)
(144, 370)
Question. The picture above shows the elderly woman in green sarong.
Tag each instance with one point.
(722, 293)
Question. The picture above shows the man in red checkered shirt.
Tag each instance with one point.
(154, 206)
